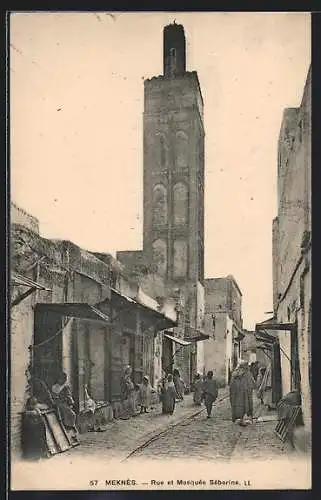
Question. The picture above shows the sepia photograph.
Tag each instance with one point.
(160, 250)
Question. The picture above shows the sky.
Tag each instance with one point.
(76, 104)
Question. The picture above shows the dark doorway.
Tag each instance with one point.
(192, 367)
(235, 355)
(47, 349)
(167, 357)
(295, 366)
(276, 373)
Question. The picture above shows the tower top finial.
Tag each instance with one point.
(174, 50)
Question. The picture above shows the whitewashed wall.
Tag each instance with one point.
(200, 358)
(285, 355)
(158, 344)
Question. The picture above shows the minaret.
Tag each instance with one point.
(174, 165)
(173, 236)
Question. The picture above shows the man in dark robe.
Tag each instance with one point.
(241, 393)
(168, 395)
(210, 392)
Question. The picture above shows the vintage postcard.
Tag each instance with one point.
(160, 281)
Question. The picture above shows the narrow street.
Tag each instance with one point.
(147, 450)
(162, 437)
(216, 439)
(204, 439)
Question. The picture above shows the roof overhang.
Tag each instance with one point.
(179, 341)
(275, 326)
(80, 310)
(19, 280)
(159, 319)
(193, 335)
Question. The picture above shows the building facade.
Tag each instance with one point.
(73, 311)
(292, 251)
(249, 350)
(173, 237)
(223, 323)
(173, 230)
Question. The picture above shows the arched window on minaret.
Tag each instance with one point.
(159, 204)
(180, 197)
(180, 259)
(181, 149)
(161, 150)
(159, 249)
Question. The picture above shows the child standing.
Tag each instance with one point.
(198, 390)
(145, 394)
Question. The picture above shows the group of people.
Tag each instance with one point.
(206, 390)
(138, 396)
(244, 380)
(171, 389)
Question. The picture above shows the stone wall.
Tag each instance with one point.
(179, 92)
(292, 260)
(71, 275)
(21, 338)
(215, 346)
(275, 262)
(294, 186)
(131, 258)
(223, 299)
(173, 141)
(248, 346)
(20, 216)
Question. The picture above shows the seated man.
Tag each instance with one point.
(63, 400)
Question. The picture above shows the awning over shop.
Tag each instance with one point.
(146, 300)
(19, 280)
(80, 310)
(177, 340)
(160, 320)
(272, 324)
